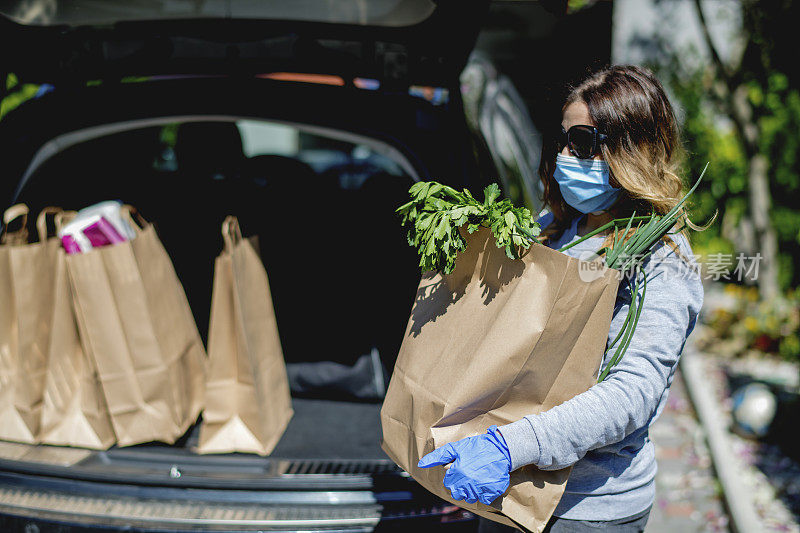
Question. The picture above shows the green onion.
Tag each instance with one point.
(629, 256)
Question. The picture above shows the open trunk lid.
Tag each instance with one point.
(396, 43)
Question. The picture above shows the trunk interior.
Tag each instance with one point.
(342, 275)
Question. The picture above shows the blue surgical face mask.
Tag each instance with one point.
(584, 183)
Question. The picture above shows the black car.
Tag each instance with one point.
(308, 120)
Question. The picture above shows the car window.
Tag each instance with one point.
(259, 137)
(246, 145)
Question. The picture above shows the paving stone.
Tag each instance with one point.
(687, 495)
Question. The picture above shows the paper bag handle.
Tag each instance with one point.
(136, 220)
(11, 214)
(231, 232)
(41, 221)
(61, 218)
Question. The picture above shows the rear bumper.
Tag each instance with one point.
(11, 524)
(44, 488)
(30, 509)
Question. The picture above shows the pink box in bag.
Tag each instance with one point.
(94, 227)
(102, 233)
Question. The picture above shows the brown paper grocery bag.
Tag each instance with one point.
(247, 403)
(137, 327)
(74, 412)
(494, 341)
(26, 291)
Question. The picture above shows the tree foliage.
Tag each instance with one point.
(771, 94)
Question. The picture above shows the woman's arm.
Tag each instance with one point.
(629, 396)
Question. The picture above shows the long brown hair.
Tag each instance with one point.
(643, 148)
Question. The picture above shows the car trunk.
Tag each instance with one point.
(337, 307)
(342, 300)
(342, 304)
(335, 304)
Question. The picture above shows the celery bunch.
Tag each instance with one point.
(436, 212)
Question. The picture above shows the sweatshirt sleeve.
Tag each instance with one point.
(629, 396)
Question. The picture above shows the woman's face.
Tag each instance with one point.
(576, 113)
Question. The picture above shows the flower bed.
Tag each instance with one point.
(742, 341)
(770, 476)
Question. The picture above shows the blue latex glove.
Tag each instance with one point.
(480, 469)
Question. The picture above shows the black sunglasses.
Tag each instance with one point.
(583, 141)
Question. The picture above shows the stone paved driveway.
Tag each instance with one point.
(687, 493)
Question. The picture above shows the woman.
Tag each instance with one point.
(619, 152)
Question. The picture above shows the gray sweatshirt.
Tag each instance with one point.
(603, 432)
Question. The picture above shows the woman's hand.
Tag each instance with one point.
(480, 469)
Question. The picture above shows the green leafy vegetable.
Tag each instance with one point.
(436, 212)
